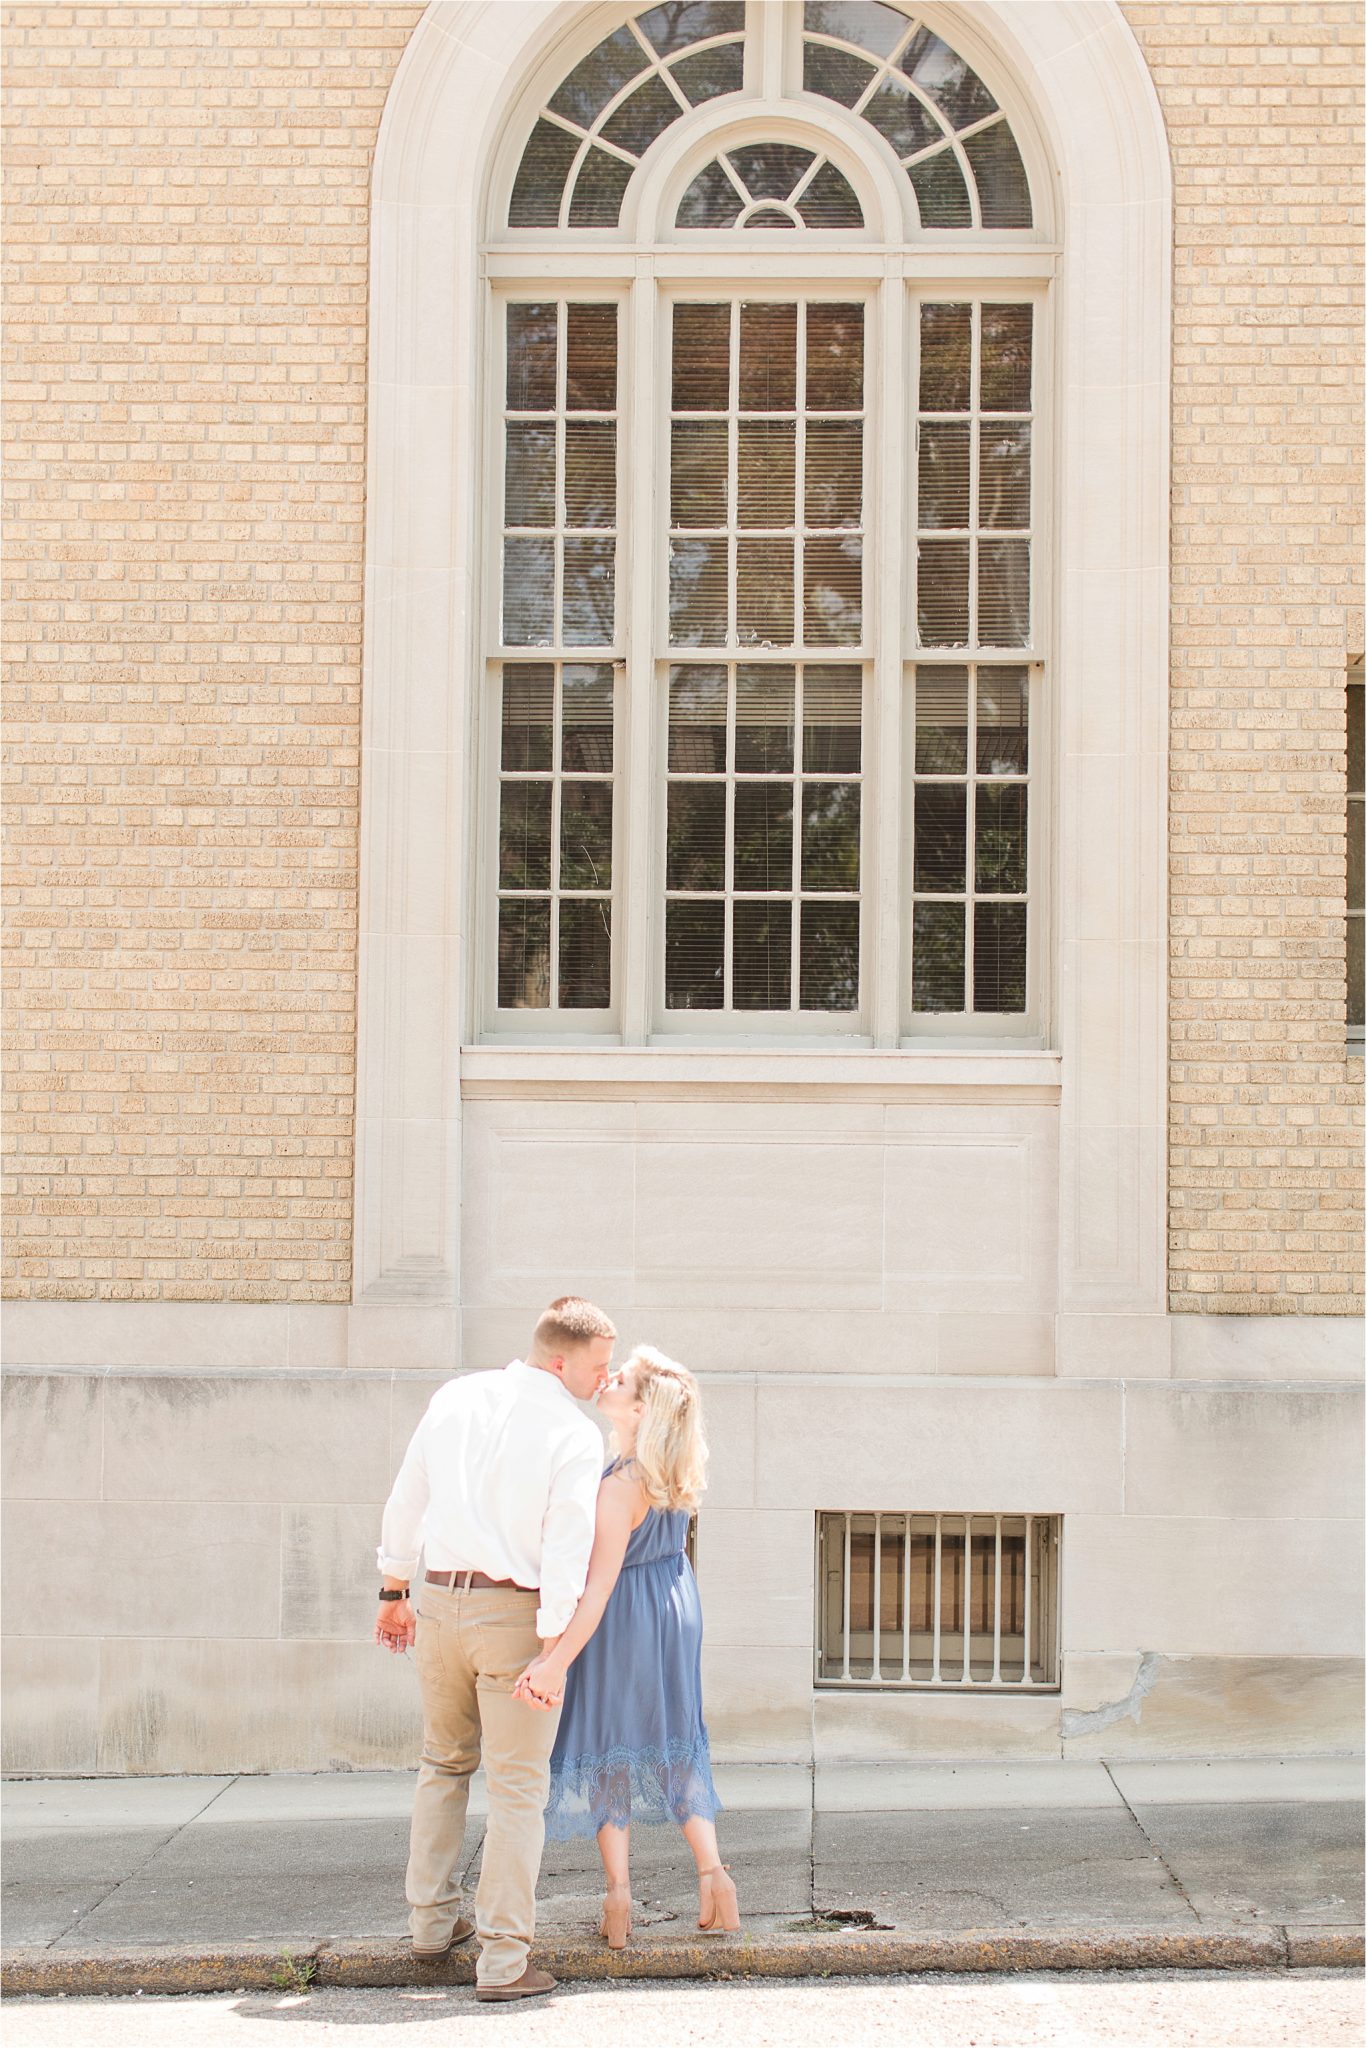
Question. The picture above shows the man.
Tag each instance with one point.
(498, 1490)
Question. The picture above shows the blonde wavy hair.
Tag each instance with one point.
(671, 1448)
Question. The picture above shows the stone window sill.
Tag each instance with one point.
(892, 1075)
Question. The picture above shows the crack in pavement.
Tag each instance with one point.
(1158, 1856)
(150, 1858)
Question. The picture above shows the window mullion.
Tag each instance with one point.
(885, 431)
(642, 473)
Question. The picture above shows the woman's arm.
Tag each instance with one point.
(619, 1503)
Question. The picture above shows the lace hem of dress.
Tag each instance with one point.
(627, 1786)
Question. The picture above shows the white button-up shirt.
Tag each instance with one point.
(501, 1477)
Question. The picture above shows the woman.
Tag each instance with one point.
(632, 1744)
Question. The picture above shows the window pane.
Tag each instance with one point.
(1001, 864)
(1002, 721)
(834, 358)
(711, 72)
(1003, 486)
(835, 73)
(763, 835)
(694, 939)
(711, 201)
(953, 86)
(834, 473)
(585, 954)
(830, 836)
(904, 120)
(937, 957)
(599, 190)
(528, 716)
(1003, 593)
(1356, 971)
(941, 193)
(865, 22)
(523, 955)
(764, 718)
(681, 22)
(586, 835)
(528, 592)
(1356, 853)
(524, 836)
(701, 358)
(1002, 187)
(529, 495)
(945, 473)
(834, 592)
(531, 332)
(697, 593)
(763, 592)
(1007, 348)
(589, 590)
(761, 970)
(599, 78)
(697, 473)
(942, 590)
(641, 118)
(586, 718)
(539, 186)
(767, 477)
(941, 824)
(590, 473)
(829, 201)
(697, 721)
(696, 853)
(832, 701)
(591, 359)
(829, 975)
(941, 721)
(768, 358)
(945, 358)
(1356, 738)
(998, 958)
(770, 170)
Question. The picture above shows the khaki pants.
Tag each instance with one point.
(471, 1648)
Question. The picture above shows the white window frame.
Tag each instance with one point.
(890, 266)
(1089, 126)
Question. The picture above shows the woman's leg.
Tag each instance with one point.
(614, 1847)
(717, 1906)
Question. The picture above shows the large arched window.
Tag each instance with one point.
(765, 704)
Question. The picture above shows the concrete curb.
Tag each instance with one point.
(266, 1967)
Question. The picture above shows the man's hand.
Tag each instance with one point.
(396, 1626)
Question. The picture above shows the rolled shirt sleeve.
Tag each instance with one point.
(567, 1536)
(401, 1529)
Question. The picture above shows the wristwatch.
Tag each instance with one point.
(393, 1592)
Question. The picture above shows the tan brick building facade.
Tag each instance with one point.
(195, 451)
(187, 250)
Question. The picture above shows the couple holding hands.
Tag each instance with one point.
(558, 1634)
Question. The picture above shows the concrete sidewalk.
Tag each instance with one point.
(203, 1883)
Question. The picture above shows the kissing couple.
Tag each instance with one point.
(558, 1634)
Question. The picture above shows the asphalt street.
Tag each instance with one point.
(1179, 2010)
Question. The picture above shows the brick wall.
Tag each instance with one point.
(187, 303)
(1262, 105)
(187, 246)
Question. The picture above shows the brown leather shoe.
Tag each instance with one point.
(532, 1983)
(461, 1931)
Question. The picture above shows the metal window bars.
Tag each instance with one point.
(938, 1602)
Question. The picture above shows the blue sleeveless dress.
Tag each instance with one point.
(632, 1745)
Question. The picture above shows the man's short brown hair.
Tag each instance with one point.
(566, 1324)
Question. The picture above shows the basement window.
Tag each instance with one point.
(937, 1603)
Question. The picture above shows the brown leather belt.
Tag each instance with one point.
(466, 1582)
